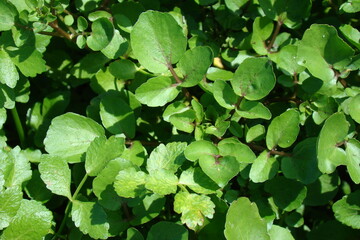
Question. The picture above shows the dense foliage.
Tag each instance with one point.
(179, 119)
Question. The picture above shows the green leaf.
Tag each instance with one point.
(354, 108)
(157, 91)
(214, 73)
(194, 64)
(248, 224)
(116, 115)
(89, 65)
(126, 14)
(82, 23)
(235, 5)
(333, 230)
(10, 200)
(200, 148)
(167, 230)
(136, 153)
(116, 47)
(303, 164)
(75, 132)
(90, 218)
(288, 194)
(253, 110)
(184, 121)
(314, 55)
(351, 6)
(174, 108)
(102, 33)
(287, 60)
(323, 190)
(56, 174)
(162, 182)
(254, 78)
(103, 183)
(220, 169)
(353, 159)
(351, 34)
(99, 14)
(169, 157)
(36, 188)
(29, 60)
(8, 73)
(279, 233)
(290, 12)
(165, 41)
(7, 15)
(15, 166)
(130, 183)
(332, 133)
(123, 69)
(233, 147)
(147, 209)
(198, 181)
(133, 234)
(225, 95)
(347, 210)
(262, 29)
(264, 168)
(32, 221)
(255, 133)
(193, 208)
(101, 151)
(283, 130)
(199, 110)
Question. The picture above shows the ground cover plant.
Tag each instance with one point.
(171, 119)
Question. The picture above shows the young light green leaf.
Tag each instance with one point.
(198, 181)
(194, 64)
(279, 233)
(133, 234)
(162, 182)
(169, 157)
(225, 95)
(351, 34)
(354, 108)
(56, 174)
(8, 72)
(157, 91)
(235, 5)
(303, 164)
(10, 201)
(262, 29)
(167, 230)
(283, 130)
(199, 110)
(220, 169)
(90, 218)
(184, 121)
(347, 210)
(287, 60)
(103, 183)
(214, 73)
(233, 147)
(116, 115)
(193, 208)
(75, 132)
(32, 221)
(255, 133)
(353, 159)
(350, 6)
(287, 194)
(15, 166)
(254, 78)
(200, 148)
(174, 108)
(248, 224)
(165, 41)
(332, 133)
(130, 183)
(253, 110)
(264, 168)
(313, 53)
(102, 34)
(101, 151)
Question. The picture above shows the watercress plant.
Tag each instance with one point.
(170, 119)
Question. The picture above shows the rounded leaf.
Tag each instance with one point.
(102, 34)
(347, 210)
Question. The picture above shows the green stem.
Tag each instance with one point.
(68, 207)
(19, 127)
